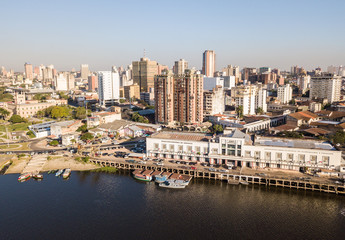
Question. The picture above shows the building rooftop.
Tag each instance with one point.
(304, 115)
(293, 143)
(182, 136)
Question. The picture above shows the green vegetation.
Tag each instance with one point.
(15, 127)
(30, 134)
(62, 95)
(292, 102)
(86, 136)
(326, 106)
(56, 112)
(338, 137)
(217, 128)
(259, 111)
(5, 97)
(239, 111)
(41, 97)
(105, 169)
(289, 134)
(122, 100)
(4, 113)
(136, 117)
(54, 143)
(17, 119)
(85, 159)
(80, 113)
(82, 128)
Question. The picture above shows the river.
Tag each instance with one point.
(115, 206)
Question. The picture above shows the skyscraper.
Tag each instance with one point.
(108, 87)
(180, 66)
(326, 86)
(284, 93)
(84, 71)
(28, 71)
(209, 63)
(144, 72)
(179, 98)
(92, 83)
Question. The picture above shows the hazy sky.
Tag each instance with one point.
(102, 33)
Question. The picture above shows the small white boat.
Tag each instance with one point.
(58, 173)
(170, 184)
(233, 182)
(24, 177)
(182, 182)
(67, 173)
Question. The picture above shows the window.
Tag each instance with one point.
(247, 154)
(238, 152)
(290, 157)
(301, 157)
(189, 148)
(257, 155)
(197, 149)
(278, 156)
(164, 146)
(180, 147)
(325, 159)
(268, 155)
(156, 145)
(313, 158)
(239, 146)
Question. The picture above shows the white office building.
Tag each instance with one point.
(227, 82)
(284, 93)
(108, 87)
(238, 149)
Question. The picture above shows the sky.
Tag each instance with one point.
(103, 33)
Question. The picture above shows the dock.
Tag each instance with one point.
(203, 174)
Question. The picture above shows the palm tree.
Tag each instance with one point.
(239, 111)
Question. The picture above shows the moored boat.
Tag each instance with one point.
(233, 182)
(244, 182)
(67, 173)
(142, 177)
(160, 178)
(24, 177)
(182, 182)
(58, 173)
(37, 176)
(171, 184)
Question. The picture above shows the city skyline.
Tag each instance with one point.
(247, 34)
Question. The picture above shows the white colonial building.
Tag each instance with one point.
(238, 149)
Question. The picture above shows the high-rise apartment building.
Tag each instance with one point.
(250, 97)
(180, 66)
(326, 86)
(144, 72)
(284, 93)
(179, 98)
(29, 71)
(164, 97)
(214, 101)
(108, 87)
(209, 63)
(64, 81)
(84, 71)
(92, 82)
(303, 83)
(232, 71)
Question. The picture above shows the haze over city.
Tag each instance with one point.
(105, 33)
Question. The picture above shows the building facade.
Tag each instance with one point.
(180, 66)
(237, 149)
(108, 87)
(284, 93)
(214, 101)
(84, 71)
(29, 71)
(209, 63)
(132, 91)
(144, 72)
(325, 86)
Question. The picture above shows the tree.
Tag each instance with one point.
(62, 95)
(217, 128)
(339, 137)
(239, 111)
(4, 113)
(136, 117)
(54, 143)
(292, 102)
(40, 114)
(30, 134)
(80, 113)
(17, 119)
(82, 128)
(86, 136)
(259, 111)
(59, 112)
(122, 100)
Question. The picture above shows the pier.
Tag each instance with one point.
(267, 181)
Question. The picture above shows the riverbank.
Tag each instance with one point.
(52, 163)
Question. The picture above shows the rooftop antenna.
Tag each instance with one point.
(144, 53)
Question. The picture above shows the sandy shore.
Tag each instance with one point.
(56, 162)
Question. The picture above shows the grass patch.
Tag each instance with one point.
(15, 127)
(19, 146)
(105, 169)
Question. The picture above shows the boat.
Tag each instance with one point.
(171, 184)
(160, 178)
(24, 177)
(37, 176)
(182, 182)
(244, 183)
(142, 177)
(233, 182)
(67, 173)
(59, 173)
